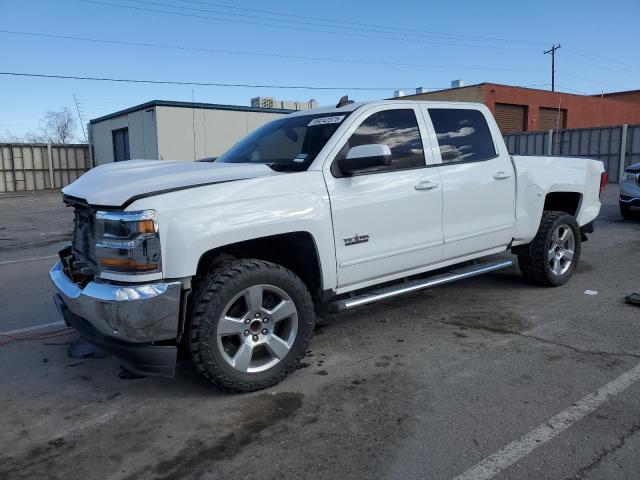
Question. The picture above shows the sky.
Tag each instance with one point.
(365, 49)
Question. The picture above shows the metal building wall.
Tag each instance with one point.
(25, 166)
(192, 133)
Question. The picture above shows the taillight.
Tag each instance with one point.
(603, 181)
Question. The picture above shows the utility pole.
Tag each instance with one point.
(552, 51)
(80, 117)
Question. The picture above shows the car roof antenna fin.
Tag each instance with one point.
(344, 101)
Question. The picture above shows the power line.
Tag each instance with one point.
(292, 27)
(199, 84)
(347, 22)
(259, 54)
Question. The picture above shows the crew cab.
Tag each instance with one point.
(319, 211)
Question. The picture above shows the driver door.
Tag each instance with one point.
(387, 220)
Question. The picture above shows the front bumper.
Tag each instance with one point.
(631, 201)
(125, 320)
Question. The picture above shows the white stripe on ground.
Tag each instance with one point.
(10, 333)
(32, 259)
(499, 461)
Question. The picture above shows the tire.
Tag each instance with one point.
(234, 340)
(626, 212)
(543, 268)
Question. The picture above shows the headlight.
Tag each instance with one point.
(629, 177)
(128, 242)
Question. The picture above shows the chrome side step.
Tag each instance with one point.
(415, 285)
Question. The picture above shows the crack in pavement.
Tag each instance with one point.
(602, 454)
(519, 334)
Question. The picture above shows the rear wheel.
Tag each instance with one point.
(252, 322)
(554, 252)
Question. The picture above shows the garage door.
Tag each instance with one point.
(511, 118)
(551, 118)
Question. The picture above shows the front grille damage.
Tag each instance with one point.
(78, 260)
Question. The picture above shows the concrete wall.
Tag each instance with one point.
(37, 166)
(189, 134)
(143, 142)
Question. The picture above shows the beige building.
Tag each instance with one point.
(164, 130)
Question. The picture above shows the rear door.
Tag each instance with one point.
(387, 221)
(478, 181)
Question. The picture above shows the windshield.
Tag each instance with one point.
(289, 144)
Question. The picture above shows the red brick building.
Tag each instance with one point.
(520, 109)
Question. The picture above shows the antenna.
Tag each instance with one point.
(344, 101)
(80, 117)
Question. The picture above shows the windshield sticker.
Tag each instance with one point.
(300, 158)
(326, 120)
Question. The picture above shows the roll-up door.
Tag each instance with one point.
(511, 118)
(551, 118)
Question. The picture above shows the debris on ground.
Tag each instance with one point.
(591, 292)
(83, 349)
(633, 299)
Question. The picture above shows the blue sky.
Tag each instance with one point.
(386, 45)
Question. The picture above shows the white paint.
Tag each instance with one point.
(31, 259)
(499, 461)
(10, 333)
(590, 292)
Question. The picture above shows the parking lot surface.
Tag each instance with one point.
(487, 378)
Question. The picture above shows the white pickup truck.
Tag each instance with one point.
(321, 210)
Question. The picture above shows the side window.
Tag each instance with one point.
(463, 135)
(398, 129)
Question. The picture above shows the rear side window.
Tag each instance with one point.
(398, 129)
(463, 135)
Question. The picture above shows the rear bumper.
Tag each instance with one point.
(124, 319)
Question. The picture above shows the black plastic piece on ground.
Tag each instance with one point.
(83, 349)
(633, 299)
(139, 358)
(127, 374)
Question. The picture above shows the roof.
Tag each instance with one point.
(168, 103)
(613, 94)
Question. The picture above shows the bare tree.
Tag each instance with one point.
(60, 126)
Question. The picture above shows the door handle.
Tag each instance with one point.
(501, 175)
(426, 185)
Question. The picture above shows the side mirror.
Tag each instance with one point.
(365, 156)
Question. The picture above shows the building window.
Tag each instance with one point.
(552, 118)
(511, 117)
(120, 144)
(463, 135)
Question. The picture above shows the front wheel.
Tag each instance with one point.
(555, 250)
(251, 324)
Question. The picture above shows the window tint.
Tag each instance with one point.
(463, 135)
(398, 129)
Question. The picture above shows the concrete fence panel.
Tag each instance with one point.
(39, 166)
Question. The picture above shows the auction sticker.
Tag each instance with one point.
(326, 120)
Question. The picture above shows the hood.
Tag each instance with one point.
(635, 168)
(118, 184)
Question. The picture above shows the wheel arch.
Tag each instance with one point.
(295, 251)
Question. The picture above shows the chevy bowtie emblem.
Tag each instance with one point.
(356, 239)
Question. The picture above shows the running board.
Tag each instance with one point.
(415, 285)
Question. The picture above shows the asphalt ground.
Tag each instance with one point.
(487, 378)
